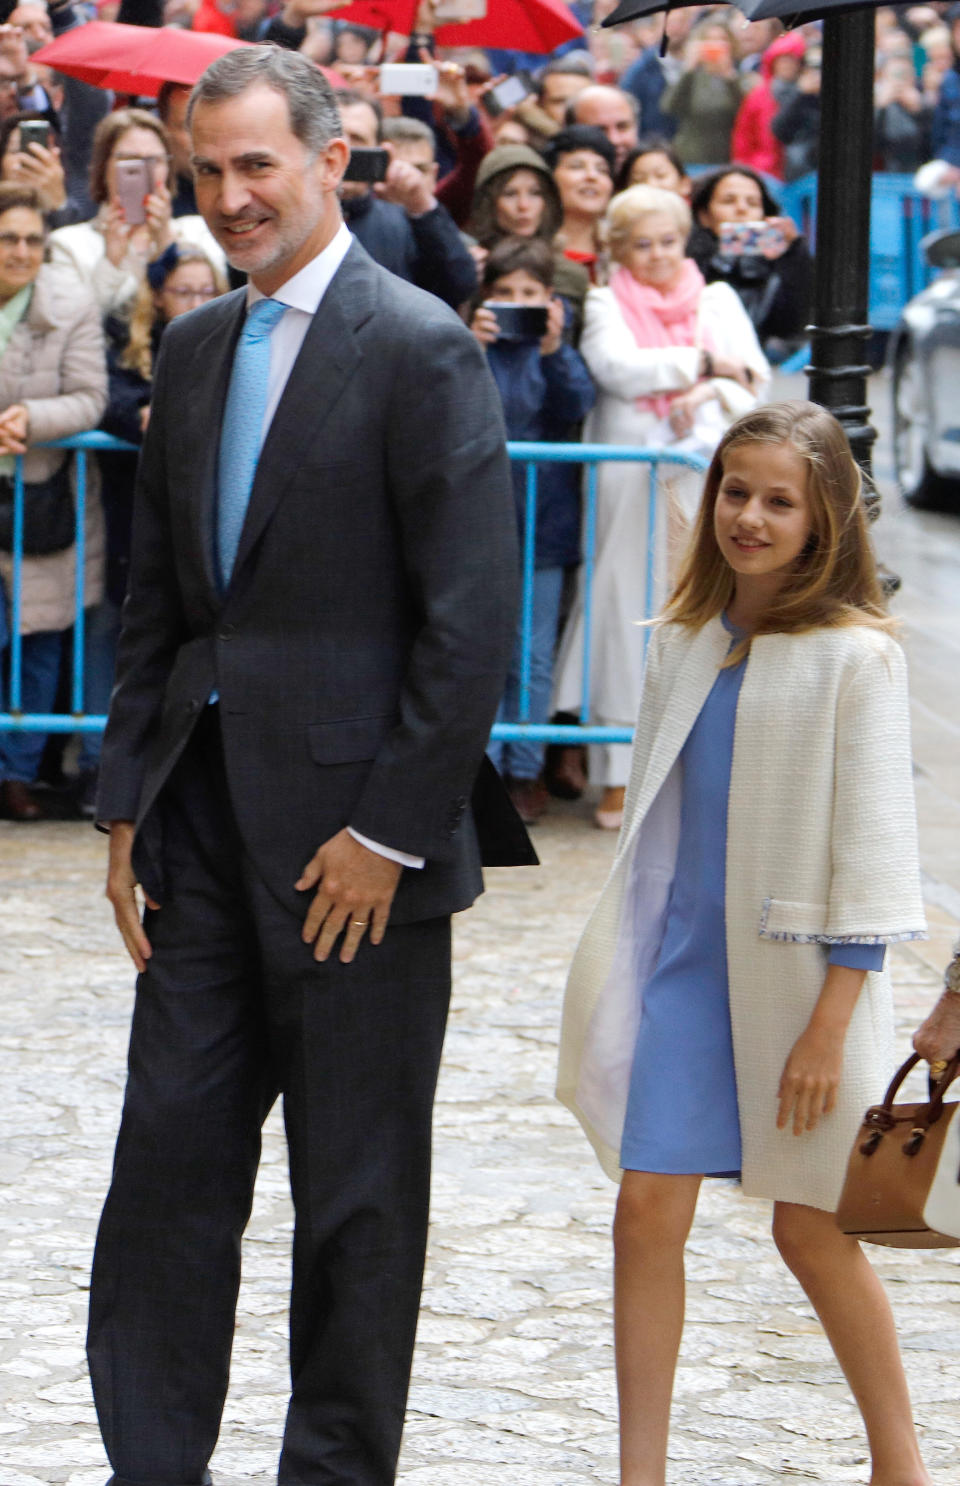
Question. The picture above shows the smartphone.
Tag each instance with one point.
(367, 164)
(737, 238)
(519, 322)
(508, 94)
(449, 12)
(716, 51)
(34, 131)
(134, 183)
(408, 79)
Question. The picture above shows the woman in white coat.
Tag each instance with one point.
(675, 361)
(727, 1010)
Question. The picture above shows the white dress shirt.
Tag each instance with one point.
(302, 295)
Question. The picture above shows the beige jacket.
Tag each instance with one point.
(55, 365)
(821, 848)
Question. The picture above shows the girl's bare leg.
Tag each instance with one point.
(851, 1303)
(650, 1229)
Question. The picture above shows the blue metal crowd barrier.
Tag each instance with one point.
(900, 217)
(530, 455)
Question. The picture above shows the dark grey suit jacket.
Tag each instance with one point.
(361, 647)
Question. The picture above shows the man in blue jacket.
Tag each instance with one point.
(401, 224)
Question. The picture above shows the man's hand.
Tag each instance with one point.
(14, 427)
(407, 187)
(121, 890)
(939, 1036)
(355, 888)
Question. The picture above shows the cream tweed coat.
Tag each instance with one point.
(821, 848)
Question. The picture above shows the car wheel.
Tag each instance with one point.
(919, 482)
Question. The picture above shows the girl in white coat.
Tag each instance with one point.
(727, 1010)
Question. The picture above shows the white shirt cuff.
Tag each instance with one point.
(403, 857)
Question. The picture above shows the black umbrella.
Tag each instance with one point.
(837, 372)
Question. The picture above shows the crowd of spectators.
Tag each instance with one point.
(623, 189)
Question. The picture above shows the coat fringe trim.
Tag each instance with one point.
(786, 937)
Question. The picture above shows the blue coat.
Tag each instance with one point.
(543, 398)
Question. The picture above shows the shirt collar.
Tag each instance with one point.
(307, 288)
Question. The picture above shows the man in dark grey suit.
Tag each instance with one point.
(313, 651)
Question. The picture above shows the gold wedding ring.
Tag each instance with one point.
(361, 923)
(938, 1067)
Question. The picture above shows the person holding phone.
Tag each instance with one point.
(770, 269)
(546, 390)
(705, 99)
(397, 216)
(130, 183)
(30, 156)
(674, 360)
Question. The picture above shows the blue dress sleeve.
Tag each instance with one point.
(858, 956)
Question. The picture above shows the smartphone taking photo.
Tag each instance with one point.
(34, 131)
(518, 322)
(134, 183)
(367, 164)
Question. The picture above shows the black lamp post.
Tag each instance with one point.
(838, 369)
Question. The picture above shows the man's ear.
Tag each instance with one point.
(333, 163)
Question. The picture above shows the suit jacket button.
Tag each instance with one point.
(227, 632)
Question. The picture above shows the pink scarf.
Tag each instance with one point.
(657, 319)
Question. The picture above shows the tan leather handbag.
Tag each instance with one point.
(903, 1178)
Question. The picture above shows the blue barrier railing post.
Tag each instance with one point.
(529, 568)
(589, 558)
(80, 554)
(16, 597)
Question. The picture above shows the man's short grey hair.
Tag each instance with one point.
(404, 130)
(314, 115)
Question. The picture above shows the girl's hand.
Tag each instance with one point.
(158, 207)
(40, 168)
(811, 1075)
(116, 234)
(14, 427)
(484, 326)
(553, 339)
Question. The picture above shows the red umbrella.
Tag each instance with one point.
(516, 25)
(134, 59)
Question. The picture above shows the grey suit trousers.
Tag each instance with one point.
(231, 1011)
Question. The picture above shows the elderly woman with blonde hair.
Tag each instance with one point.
(675, 361)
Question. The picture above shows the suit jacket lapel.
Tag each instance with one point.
(328, 357)
(203, 402)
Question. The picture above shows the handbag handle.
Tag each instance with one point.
(882, 1115)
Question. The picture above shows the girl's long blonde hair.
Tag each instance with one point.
(834, 581)
(137, 354)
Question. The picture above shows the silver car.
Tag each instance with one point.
(924, 357)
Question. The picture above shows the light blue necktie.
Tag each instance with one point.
(241, 436)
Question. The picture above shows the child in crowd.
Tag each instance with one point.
(727, 1012)
(546, 390)
(654, 162)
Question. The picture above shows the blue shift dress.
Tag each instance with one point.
(682, 1113)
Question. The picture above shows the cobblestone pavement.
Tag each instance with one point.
(514, 1369)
